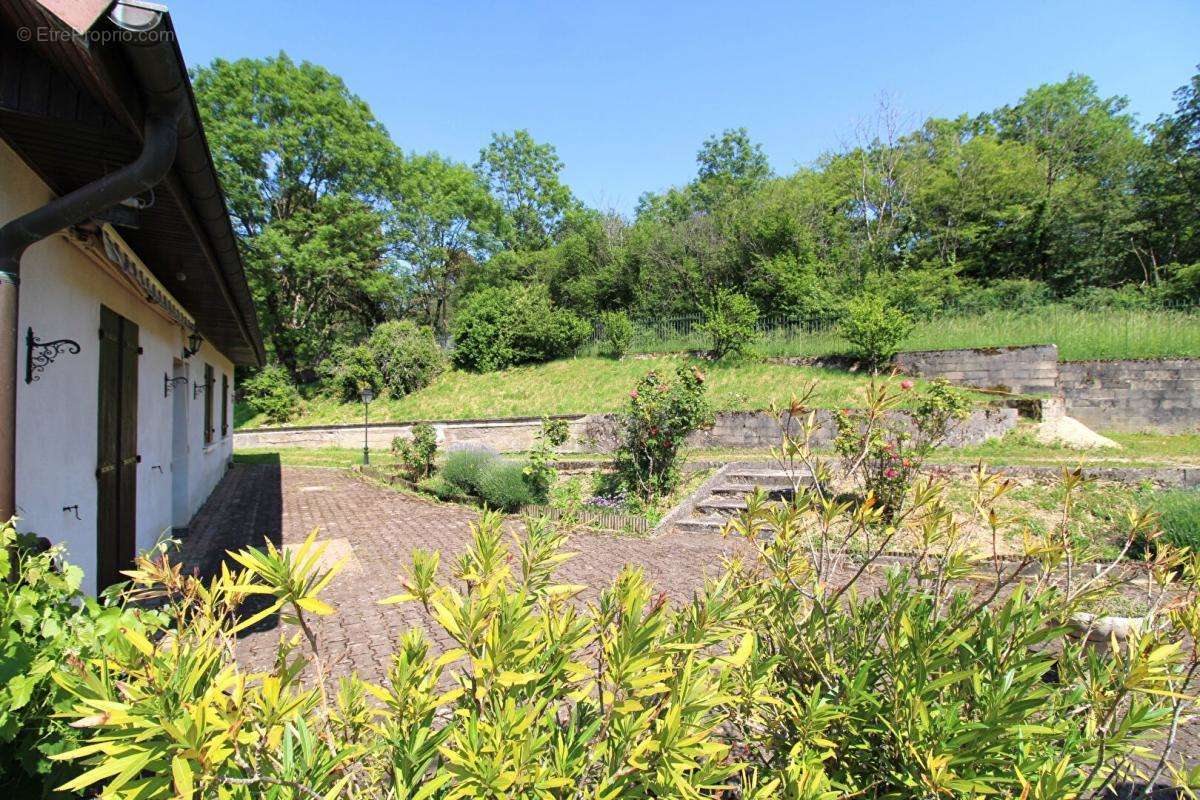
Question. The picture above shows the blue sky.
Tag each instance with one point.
(627, 91)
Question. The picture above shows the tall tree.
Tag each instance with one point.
(304, 164)
(524, 176)
(1168, 188)
(729, 165)
(446, 223)
(1087, 146)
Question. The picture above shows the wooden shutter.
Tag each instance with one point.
(108, 453)
(224, 405)
(128, 447)
(117, 458)
(208, 404)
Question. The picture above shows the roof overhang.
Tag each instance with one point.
(72, 107)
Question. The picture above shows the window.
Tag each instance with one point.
(208, 404)
(224, 405)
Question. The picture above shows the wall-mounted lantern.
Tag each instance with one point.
(193, 345)
(39, 354)
(170, 383)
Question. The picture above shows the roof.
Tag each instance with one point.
(72, 108)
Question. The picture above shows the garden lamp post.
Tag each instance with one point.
(367, 396)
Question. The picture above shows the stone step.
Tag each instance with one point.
(720, 506)
(764, 478)
(701, 525)
(743, 489)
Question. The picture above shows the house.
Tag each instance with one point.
(124, 307)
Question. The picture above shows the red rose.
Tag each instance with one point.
(906, 385)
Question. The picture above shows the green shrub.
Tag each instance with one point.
(662, 413)
(350, 370)
(885, 457)
(45, 625)
(540, 474)
(729, 324)
(271, 393)
(1009, 294)
(463, 468)
(874, 329)
(417, 453)
(502, 485)
(407, 356)
(1127, 297)
(497, 328)
(441, 488)
(617, 330)
(794, 673)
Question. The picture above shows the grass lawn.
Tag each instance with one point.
(1016, 449)
(1080, 335)
(582, 386)
(1099, 522)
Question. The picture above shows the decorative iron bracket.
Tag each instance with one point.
(198, 389)
(39, 354)
(169, 383)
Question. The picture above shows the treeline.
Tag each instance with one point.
(1060, 195)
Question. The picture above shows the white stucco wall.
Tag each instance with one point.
(61, 294)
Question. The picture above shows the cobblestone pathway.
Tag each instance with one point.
(378, 528)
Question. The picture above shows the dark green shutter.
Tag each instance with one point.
(224, 405)
(116, 463)
(208, 403)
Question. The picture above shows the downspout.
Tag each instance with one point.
(155, 66)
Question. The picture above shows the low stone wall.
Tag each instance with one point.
(504, 435)
(594, 433)
(1023, 370)
(1130, 396)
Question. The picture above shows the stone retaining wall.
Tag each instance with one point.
(1023, 370)
(1161, 395)
(1130, 396)
(594, 433)
(504, 435)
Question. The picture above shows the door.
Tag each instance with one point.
(179, 446)
(116, 468)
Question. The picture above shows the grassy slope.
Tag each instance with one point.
(582, 386)
(1080, 335)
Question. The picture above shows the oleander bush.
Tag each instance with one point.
(804, 668)
(882, 450)
(662, 413)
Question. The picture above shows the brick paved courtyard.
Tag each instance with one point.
(378, 528)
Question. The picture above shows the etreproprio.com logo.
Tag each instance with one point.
(101, 37)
